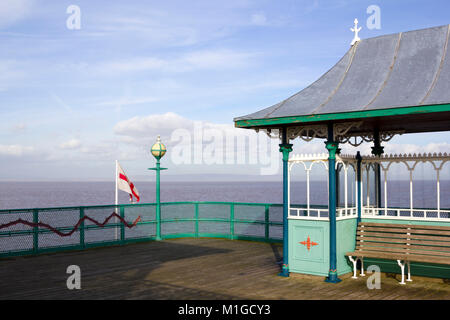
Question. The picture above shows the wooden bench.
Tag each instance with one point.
(401, 242)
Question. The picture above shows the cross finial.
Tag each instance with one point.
(356, 30)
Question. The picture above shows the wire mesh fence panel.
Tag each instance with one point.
(107, 232)
(143, 229)
(12, 238)
(177, 227)
(214, 227)
(276, 232)
(178, 211)
(276, 213)
(249, 229)
(214, 210)
(64, 220)
(249, 212)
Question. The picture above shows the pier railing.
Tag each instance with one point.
(41, 230)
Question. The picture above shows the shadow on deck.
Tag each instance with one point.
(189, 269)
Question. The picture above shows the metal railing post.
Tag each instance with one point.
(82, 245)
(35, 231)
(122, 225)
(266, 218)
(232, 221)
(196, 219)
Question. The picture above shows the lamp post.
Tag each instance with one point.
(158, 150)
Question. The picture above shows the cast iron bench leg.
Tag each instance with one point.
(354, 261)
(362, 267)
(402, 266)
(409, 272)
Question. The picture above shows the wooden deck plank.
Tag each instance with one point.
(190, 269)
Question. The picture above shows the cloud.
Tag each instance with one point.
(16, 150)
(193, 61)
(258, 19)
(201, 142)
(12, 11)
(71, 144)
(148, 127)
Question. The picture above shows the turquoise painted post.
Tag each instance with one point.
(285, 148)
(232, 221)
(82, 245)
(122, 226)
(158, 201)
(358, 185)
(158, 150)
(196, 219)
(267, 221)
(35, 231)
(332, 148)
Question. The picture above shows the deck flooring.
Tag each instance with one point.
(191, 269)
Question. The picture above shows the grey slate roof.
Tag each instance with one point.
(392, 71)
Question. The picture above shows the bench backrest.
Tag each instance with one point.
(415, 240)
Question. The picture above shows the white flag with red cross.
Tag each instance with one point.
(124, 184)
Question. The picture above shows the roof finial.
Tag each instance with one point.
(356, 30)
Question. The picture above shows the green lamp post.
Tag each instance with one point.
(158, 150)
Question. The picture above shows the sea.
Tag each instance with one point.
(21, 195)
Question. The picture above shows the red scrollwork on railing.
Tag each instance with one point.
(68, 234)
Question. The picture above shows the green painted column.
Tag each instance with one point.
(285, 149)
(332, 148)
(377, 150)
(158, 198)
(158, 150)
(158, 201)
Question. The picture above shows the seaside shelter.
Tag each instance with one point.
(382, 87)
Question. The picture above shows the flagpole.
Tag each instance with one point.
(116, 196)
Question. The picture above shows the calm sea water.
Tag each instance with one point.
(15, 195)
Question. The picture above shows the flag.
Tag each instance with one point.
(124, 184)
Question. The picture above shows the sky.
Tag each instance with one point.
(83, 83)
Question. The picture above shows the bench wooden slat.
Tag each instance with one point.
(368, 244)
(375, 254)
(431, 238)
(378, 239)
(411, 226)
(402, 236)
(428, 242)
(429, 253)
(430, 232)
(412, 258)
(374, 229)
(380, 234)
(424, 227)
(427, 247)
(376, 224)
(381, 250)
